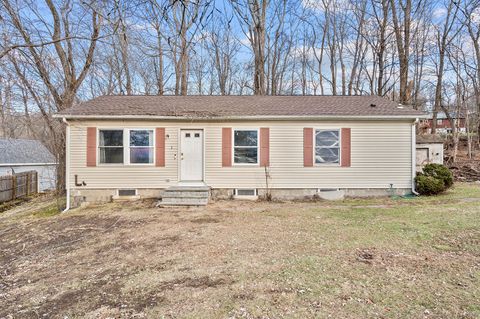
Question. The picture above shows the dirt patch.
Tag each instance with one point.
(243, 296)
(365, 255)
(200, 282)
(42, 237)
(205, 220)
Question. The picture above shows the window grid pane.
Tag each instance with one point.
(245, 155)
(111, 138)
(141, 138)
(326, 155)
(141, 155)
(245, 138)
(111, 155)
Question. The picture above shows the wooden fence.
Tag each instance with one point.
(18, 185)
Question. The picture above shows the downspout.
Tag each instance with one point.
(414, 158)
(67, 165)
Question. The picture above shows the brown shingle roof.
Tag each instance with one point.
(203, 107)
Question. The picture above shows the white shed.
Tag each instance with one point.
(429, 150)
(20, 155)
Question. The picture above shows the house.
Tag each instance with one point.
(429, 150)
(20, 155)
(443, 123)
(238, 146)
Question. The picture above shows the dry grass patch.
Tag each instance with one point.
(376, 258)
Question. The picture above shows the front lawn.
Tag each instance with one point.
(364, 258)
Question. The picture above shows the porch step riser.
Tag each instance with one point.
(184, 201)
(177, 194)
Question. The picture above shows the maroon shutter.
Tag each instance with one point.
(91, 146)
(160, 146)
(226, 147)
(264, 146)
(346, 147)
(308, 147)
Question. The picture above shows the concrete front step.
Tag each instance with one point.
(185, 196)
(183, 202)
(177, 194)
(188, 188)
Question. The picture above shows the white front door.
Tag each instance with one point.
(191, 155)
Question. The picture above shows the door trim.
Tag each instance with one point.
(179, 151)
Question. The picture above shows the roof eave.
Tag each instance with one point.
(234, 118)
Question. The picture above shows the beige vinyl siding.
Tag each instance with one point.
(119, 175)
(380, 155)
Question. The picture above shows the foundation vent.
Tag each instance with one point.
(127, 192)
(245, 192)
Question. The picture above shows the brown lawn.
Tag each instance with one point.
(375, 258)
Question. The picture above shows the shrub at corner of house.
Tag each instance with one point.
(441, 172)
(429, 185)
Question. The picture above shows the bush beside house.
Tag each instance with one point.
(434, 179)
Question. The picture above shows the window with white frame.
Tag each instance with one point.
(327, 146)
(245, 146)
(129, 146)
(110, 146)
(141, 146)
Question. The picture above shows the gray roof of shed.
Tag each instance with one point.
(19, 151)
(211, 107)
(429, 139)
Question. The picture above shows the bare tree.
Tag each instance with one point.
(402, 28)
(252, 15)
(58, 69)
(444, 37)
(153, 14)
(358, 52)
(63, 95)
(184, 19)
(224, 47)
(470, 11)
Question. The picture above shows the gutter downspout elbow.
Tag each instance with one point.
(67, 165)
(414, 157)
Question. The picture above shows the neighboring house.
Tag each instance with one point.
(443, 123)
(301, 145)
(429, 150)
(19, 155)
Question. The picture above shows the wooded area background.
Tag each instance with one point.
(425, 53)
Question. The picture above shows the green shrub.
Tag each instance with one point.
(441, 172)
(429, 185)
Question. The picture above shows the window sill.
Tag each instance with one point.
(247, 165)
(327, 165)
(122, 165)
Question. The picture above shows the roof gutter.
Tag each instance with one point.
(414, 156)
(67, 165)
(233, 118)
